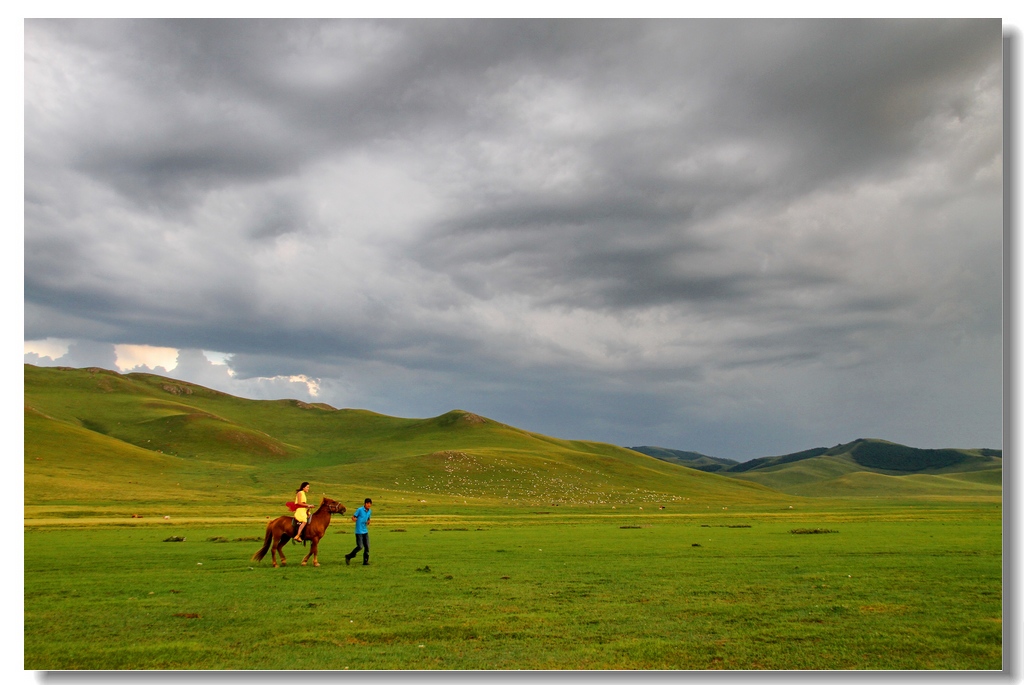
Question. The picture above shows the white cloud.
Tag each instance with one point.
(131, 356)
(51, 348)
(312, 384)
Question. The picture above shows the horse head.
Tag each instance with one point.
(333, 506)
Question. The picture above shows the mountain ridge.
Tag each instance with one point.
(86, 428)
(867, 466)
(694, 460)
(871, 453)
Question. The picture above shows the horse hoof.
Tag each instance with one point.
(315, 564)
(302, 564)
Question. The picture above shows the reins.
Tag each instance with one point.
(321, 520)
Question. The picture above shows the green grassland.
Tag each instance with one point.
(638, 591)
(493, 547)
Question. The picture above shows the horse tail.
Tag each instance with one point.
(266, 546)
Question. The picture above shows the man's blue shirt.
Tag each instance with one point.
(361, 516)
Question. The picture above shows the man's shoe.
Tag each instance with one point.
(348, 560)
(366, 563)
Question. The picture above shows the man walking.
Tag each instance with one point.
(362, 518)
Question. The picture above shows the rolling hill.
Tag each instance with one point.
(869, 467)
(694, 460)
(97, 441)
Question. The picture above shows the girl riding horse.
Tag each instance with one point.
(301, 509)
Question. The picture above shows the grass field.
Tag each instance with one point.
(493, 547)
(894, 587)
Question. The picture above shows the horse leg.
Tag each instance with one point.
(310, 554)
(315, 552)
(280, 550)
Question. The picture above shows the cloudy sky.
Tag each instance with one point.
(737, 237)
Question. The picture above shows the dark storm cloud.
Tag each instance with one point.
(194, 104)
(852, 92)
(483, 213)
(792, 106)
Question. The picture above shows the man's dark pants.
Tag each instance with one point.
(362, 543)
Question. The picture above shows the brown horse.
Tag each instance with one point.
(282, 529)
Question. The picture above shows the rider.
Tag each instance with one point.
(301, 509)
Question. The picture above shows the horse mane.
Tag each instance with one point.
(319, 519)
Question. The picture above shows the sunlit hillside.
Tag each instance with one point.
(96, 439)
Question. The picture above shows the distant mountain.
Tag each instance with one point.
(864, 467)
(694, 460)
(883, 457)
(765, 462)
(873, 468)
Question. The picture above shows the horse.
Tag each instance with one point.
(282, 529)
